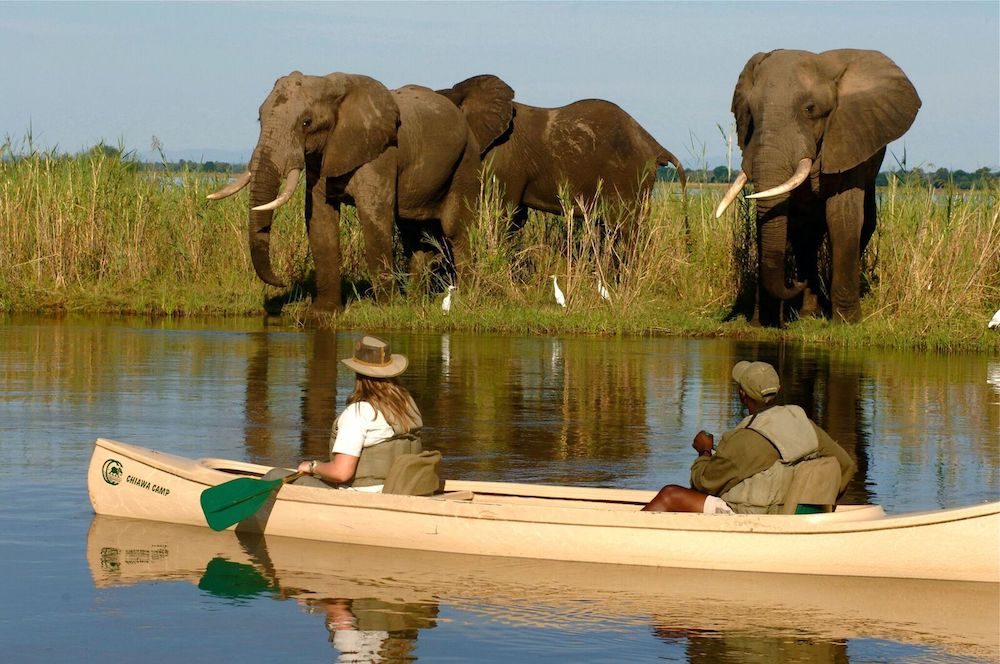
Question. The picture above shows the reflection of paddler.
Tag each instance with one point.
(373, 630)
(709, 647)
(544, 594)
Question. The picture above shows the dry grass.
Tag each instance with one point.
(95, 232)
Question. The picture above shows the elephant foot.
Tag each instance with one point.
(811, 307)
(847, 315)
(324, 306)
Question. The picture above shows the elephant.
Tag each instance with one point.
(813, 129)
(532, 151)
(404, 156)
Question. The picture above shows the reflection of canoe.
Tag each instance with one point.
(565, 523)
(958, 616)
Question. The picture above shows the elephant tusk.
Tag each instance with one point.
(798, 177)
(290, 184)
(231, 188)
(734, 190)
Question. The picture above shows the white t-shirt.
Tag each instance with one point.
(359, 645)
(358, 427)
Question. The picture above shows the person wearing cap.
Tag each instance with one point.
(752, 468)
(378, 425)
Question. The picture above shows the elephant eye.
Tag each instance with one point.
(306, 123)
(810, 109)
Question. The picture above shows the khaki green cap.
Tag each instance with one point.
(758, 379)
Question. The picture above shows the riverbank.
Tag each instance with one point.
(92, 234)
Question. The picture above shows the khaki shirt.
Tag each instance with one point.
(743, 453)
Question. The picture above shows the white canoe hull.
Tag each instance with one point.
(565, 523)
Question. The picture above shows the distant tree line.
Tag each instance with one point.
(940, 178)
(194, 166)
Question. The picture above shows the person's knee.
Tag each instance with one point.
(665, 499)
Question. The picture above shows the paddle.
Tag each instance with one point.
(225, 578)
(233, 501)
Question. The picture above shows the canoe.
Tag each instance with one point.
(581, 524)
(958, 617)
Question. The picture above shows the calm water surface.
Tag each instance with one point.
(925, 430)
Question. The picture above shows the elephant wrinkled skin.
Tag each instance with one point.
(404, 156)
(532, 150)
(813, 130)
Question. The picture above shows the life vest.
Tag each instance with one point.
(791, 433)
(376, 460)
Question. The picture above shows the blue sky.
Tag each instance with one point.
(193, 74)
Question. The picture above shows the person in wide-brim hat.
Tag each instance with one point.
(372, 357)
(380, 412)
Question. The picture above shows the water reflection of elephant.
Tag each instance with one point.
(510, 402)
(401, 594)
(831, 391)
(318, 401)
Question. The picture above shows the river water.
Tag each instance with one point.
(924, 429)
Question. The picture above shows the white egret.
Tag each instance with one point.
(560, 298)
(446, 303)
(603, 290)
(995, 321)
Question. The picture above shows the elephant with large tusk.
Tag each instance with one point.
(813, 129)
(589, 145)
(405, 157)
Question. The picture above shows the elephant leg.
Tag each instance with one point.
(870, 173)
(459, 209)
(845, 218)
(806, 243)
(323, 226)
(373, 189)
(420, 252)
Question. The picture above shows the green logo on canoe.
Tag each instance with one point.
(112, 471)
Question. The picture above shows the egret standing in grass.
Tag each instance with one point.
(603, 290)
(995, 321)
(560, 298)
(446, 303)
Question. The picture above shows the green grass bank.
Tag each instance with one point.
(93, 233)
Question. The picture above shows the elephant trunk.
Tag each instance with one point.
(773, 223)
(263, 189)
(797, 178)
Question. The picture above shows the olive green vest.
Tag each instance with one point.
(791, 433)
(375, 460)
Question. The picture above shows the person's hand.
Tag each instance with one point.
(703, 443)
(305, 467)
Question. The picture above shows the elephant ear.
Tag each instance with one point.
(366, 124)
(741, 100)
(488, 105)
(876, 104)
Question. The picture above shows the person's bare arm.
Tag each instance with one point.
(340, 469)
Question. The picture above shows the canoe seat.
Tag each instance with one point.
(454, 495)
(814, 488)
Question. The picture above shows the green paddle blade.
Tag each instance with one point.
(231, 502)
(225, 578)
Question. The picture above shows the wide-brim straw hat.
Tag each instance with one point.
(373, 357)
